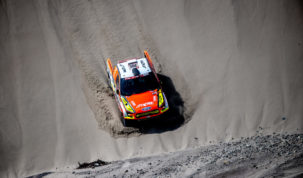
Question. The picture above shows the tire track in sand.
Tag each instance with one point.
(98, 30)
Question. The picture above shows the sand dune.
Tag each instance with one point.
(230, 67)
(258, 156)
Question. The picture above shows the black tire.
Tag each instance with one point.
(125, 122)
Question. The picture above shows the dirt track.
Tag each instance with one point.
(229, 67)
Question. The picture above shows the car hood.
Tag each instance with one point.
(144, 102)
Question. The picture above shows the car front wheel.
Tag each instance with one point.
(125, 122)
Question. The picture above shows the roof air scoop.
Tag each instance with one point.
(135, 71)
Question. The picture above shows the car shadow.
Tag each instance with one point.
(170, 120)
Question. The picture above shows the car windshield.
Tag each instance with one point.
(138, 85)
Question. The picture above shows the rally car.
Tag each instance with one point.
(136, 88)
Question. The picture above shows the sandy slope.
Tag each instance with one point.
(229, 66)
(258, 156)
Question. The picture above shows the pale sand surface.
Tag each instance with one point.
(233, 66)
(258, 156)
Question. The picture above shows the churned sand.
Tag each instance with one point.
(228, 67)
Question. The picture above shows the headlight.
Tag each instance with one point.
(128, 107)
(160, 98)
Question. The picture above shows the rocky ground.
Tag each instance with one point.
(277, 155)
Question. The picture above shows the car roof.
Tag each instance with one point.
(125, 67)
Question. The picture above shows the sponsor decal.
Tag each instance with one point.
(133, 65)
(146, 108)
(144, 104)
(133, 103)
(143, 64)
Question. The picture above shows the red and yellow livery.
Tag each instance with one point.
(136, 88)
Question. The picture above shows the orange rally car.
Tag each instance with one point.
(136, 88)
